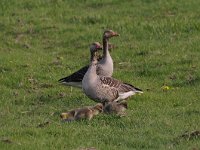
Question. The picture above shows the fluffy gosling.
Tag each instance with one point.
(116, 108)
(82, 113)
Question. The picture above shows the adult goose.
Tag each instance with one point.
(105, 89)
(104, 66)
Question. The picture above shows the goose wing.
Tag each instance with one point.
(76, 76)
(126, 87)
(117, 89)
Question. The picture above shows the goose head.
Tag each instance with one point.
(109, 33)
(95, 47)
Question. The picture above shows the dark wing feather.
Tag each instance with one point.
(133, 87)
(126, 87)
(76, 76)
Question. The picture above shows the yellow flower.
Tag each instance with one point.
(165, 87)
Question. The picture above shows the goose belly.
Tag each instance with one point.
(91, 93)
(89, 88)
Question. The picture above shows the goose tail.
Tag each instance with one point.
(135, 89)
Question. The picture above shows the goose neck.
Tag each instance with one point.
(94, 58)
(105, 46)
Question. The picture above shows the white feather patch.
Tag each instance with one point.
(74, 84)
(125, 95)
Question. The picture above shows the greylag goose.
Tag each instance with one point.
(105, 89)
(104, 67)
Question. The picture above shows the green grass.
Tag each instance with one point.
(44, 40)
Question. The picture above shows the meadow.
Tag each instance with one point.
(158, 50)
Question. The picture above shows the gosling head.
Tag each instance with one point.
(64, 116)
(98, 108)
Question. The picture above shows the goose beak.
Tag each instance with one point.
(115, 34)
(99, 47)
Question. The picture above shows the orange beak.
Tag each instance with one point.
(115, 34)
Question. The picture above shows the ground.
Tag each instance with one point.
(158, 51)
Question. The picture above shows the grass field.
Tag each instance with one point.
(44, 40)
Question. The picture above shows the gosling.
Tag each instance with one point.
(117, 108)
(82, 113)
